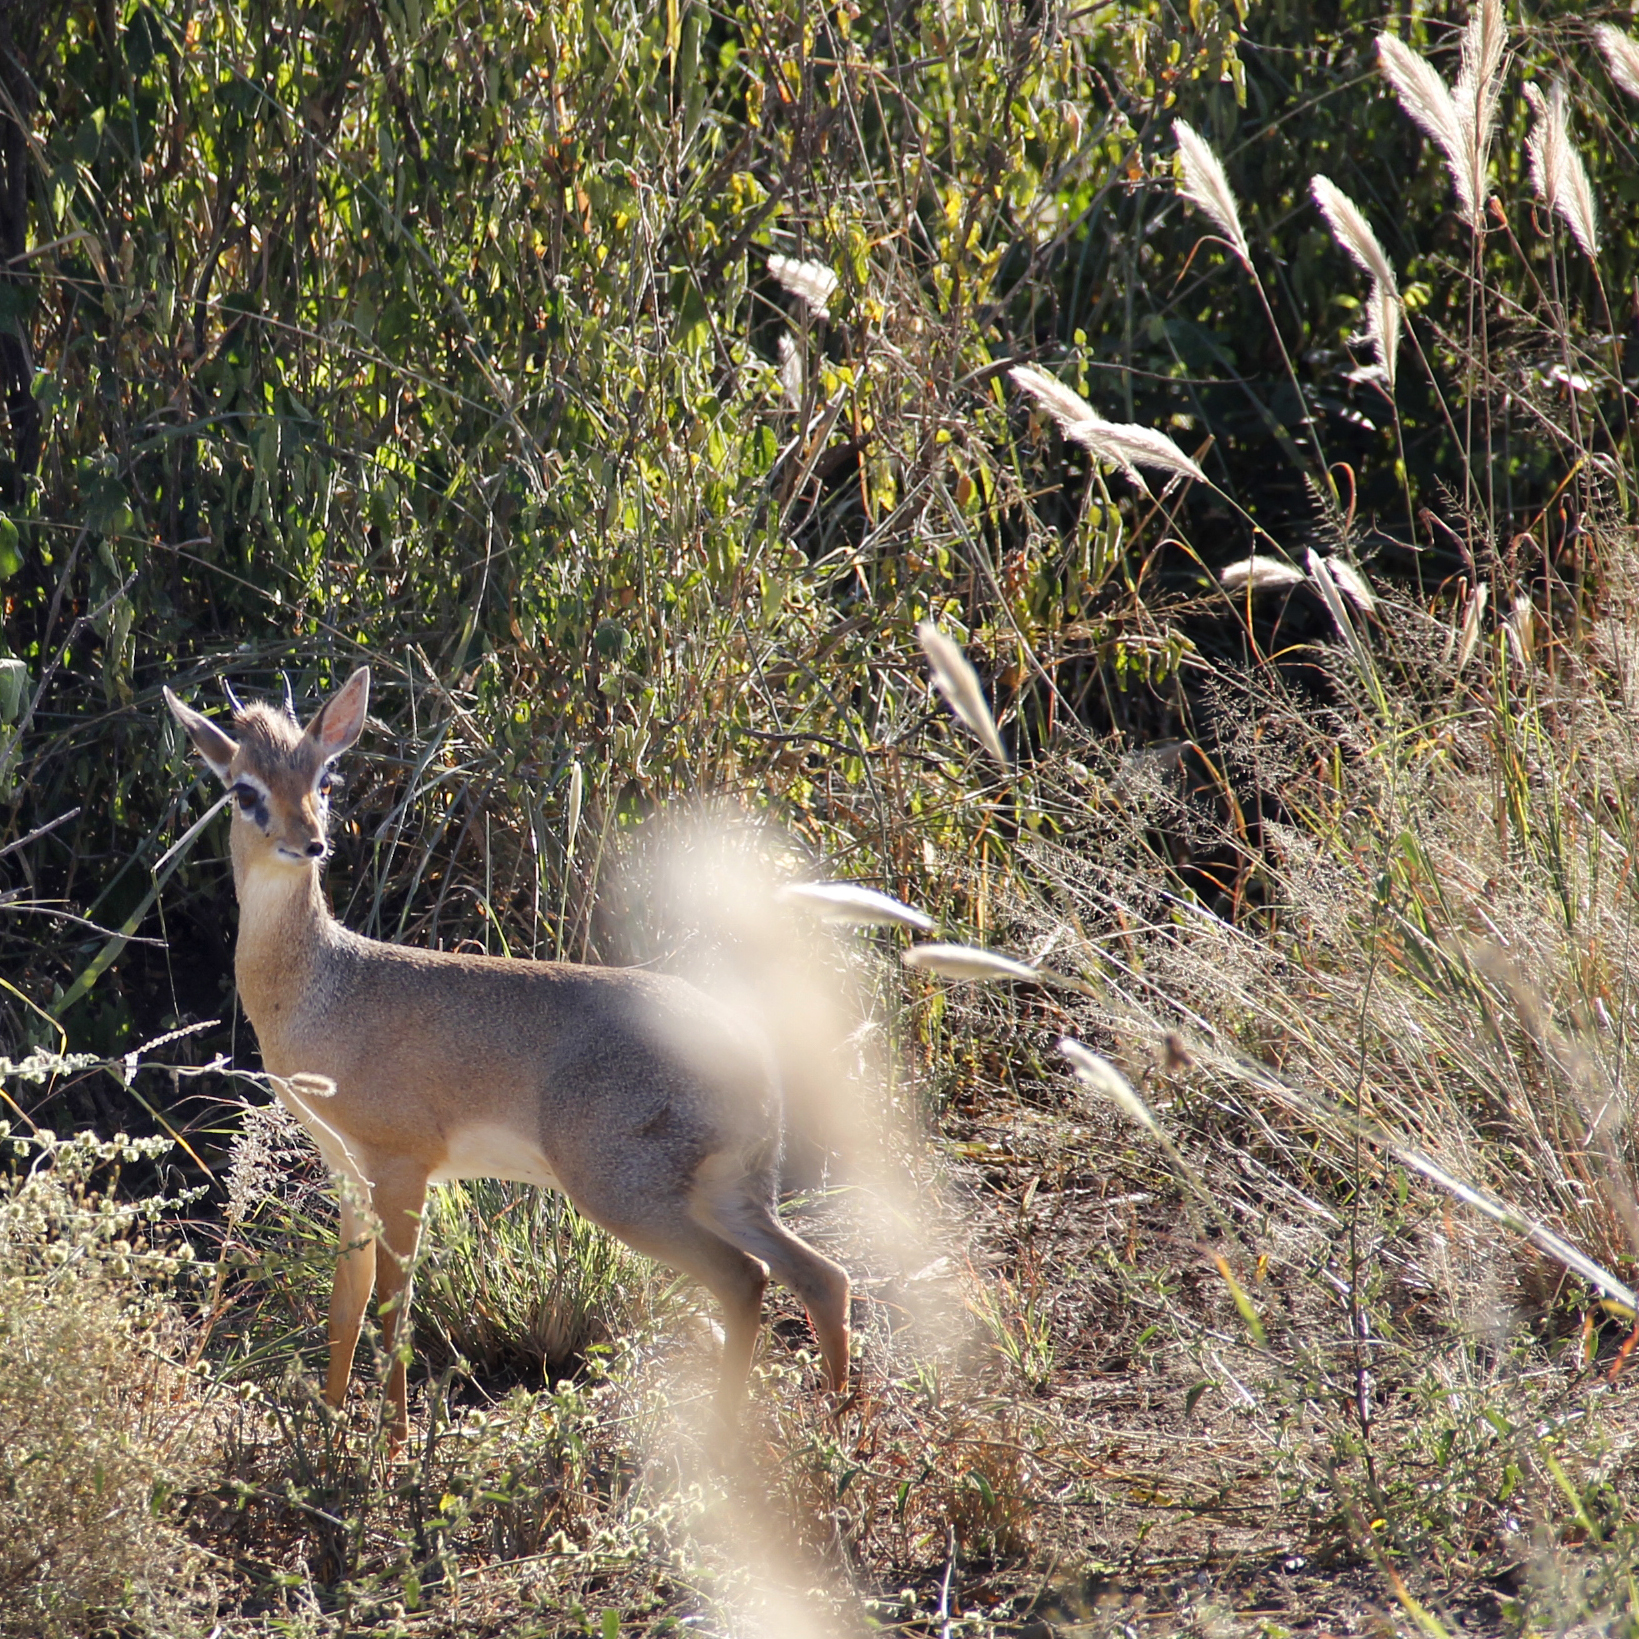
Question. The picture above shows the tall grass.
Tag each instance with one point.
(516, 1285)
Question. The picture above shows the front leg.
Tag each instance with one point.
(400, 1196)
(355, 1275)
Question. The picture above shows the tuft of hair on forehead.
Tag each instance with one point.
(269, 736)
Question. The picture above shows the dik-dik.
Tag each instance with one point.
(652, 1108)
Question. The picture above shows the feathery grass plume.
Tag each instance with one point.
(1351, 229)
(1621, 56)
(1352, 584)
(1383, 329)
(959, 684)
(577, 794)
(813, 282)
(1470, 639)
(849, 904)
(1425, 96)
(1321, 571)
(1064, 404)
(1478, 92)
(1461, 122)
(790, 370)
(1203, 183)
(1522, 629)
(968, 962)
(1129, 446)
(1121, 443)
(1354, 233)
(1103, 1077)
(1098, 1073)
(1261, 574)
(1556, 167)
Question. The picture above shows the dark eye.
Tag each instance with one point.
(327, 783)
(247, 796)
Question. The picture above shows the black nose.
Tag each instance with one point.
(315, 849)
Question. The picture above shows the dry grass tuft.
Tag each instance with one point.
(101, 1424)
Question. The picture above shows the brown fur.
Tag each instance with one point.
(652, 1108)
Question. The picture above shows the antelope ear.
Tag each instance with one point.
(341, 718)
(209, 741)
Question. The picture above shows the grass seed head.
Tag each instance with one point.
(852, 905)
(813, 282)
(1428, 100)
(1103, 1077)
(1121, 444)
(1201, 180)
(1351, 229)
(1352, 584)
(1260, 574)
(970, 963)
(959, 684)
(1557, 171)
(1621, 56)
(1478, 92)
(1472, 617)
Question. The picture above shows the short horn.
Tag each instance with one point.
(233, 699)
(290, 698)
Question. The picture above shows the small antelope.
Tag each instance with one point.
(641, 1099)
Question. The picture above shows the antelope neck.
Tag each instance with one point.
(284, 925)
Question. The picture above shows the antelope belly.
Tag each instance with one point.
(494, 1152)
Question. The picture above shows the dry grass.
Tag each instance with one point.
(102, 1430)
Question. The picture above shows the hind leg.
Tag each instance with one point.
(821, 1284)
(735, 1208)
(735, 1279)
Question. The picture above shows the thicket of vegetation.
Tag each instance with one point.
(626, 386)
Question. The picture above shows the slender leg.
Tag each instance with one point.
(355, 1274)
(734, 1279)
(821, 1284)
(741, 1297)
(737, 1213)
(400, 1194)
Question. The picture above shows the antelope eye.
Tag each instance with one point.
(246, 796)
(327, 782)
